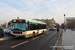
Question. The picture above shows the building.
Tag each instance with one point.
(69, 19)
(70, 22)
(52, 21)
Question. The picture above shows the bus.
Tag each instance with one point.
(52, 27)
(27, 28)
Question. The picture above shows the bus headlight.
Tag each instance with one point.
(25, 32)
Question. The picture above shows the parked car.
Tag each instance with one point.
(8, 31)
(1, 33)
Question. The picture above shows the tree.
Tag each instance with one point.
(62, 25)
(9, 24)
(57, 25)
(48, 22)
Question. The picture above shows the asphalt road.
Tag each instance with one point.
(41, 42)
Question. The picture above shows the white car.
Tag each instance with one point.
(7, 31)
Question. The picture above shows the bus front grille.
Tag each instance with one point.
(17, 32)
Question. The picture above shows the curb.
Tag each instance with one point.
(57, 42)
(60, 42)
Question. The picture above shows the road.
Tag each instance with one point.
(41, 42)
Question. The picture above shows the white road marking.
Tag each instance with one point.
(19, 44)
(35, 38)
(38, 37)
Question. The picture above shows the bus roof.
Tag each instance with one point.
(31, 21)
(35, 22)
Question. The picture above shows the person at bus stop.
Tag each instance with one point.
(57, 31)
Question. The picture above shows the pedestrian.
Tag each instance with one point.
(57, 31)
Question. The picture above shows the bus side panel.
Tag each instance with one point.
(29, 33)
(45, 30)
(41, 31)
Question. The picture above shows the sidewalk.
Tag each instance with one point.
(68, 40)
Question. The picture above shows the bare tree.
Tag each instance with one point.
(62, 25)
(57, 25)
(9, 24)
(48, 22)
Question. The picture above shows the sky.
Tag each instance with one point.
(41, 9)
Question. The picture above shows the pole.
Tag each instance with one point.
(64, 23)
(64, 17)
(17, 17)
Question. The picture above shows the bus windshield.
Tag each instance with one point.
(51, 26)
(19, 26)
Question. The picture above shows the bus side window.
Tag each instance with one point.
(32, 27)
(26, 26)
(38, 26)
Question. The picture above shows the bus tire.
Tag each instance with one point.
(33, 34)
(43, 32)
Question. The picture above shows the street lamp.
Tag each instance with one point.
(17, 17)
(64, 17)
(64, 22)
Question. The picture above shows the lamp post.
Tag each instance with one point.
(64, 17)
(17, 17)
(64, 22)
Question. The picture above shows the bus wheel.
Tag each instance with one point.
(33, 35)
(43, 32)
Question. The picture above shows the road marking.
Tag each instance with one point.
(19, 44)
(35, 38)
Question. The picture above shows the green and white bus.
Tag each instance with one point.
(52, 27)
(27, 28)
